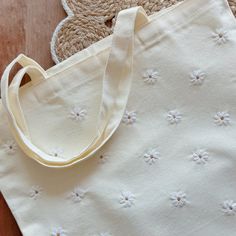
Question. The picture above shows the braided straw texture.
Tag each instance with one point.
(89, 21)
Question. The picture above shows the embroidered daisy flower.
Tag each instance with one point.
(78, 114)
(9, 147)
(35, 192)
(222, 118)
(103, 234)
(56, 152)
(127, 199)
(229, 207)
(200, 156)
(77, 195)
(150, 76)
(174, 117)
(197, 77)
(129, 117)
(179, 199)
(103, 158)
(220, 36)
(152, 156)
(59, 231)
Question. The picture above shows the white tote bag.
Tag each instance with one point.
(153, 107)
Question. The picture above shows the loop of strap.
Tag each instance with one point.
(116, 86)
(36, 74)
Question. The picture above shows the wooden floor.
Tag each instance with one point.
(26, 26)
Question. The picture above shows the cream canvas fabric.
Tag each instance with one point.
(151, 112)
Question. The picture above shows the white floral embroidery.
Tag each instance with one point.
(222, 118)
(35, 192)
(151, 156)
(174, 117)
(220, 36)
(77, 195)
(103, 234)
(127, 199)
(57, 152)
(197, 77)
(229, 207)
(150, 76)
(179, 199)
(59, 231)
(103, 158)
(78, 113)
(9, 147)
(200, 156)
(129, 117)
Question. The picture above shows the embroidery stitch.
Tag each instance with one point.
(35, 192)
(229, 207)
(103, 234)
(179, 199)
(174, 117)
(200, 156)
(129, 118)
(151, 156)
(197, 77)
(78, 113)
(222, 118)
(58, 232)
(127, 199)
(220, 36)
(150, 76)
(9, 147)
(77, 195)
(57, 152)
(103, 158)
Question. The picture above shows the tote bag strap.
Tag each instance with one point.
(36, 73)
(116, 86)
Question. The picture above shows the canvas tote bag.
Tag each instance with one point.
(153, 106)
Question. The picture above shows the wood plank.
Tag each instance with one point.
(26, 26)
(8, 225)
(42, 18)
(12, 32)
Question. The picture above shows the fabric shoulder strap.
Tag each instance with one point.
(116, 86)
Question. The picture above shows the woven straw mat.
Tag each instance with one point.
(89, 21)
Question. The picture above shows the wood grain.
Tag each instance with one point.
(26, 26)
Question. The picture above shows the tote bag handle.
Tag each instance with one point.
(116, 86)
